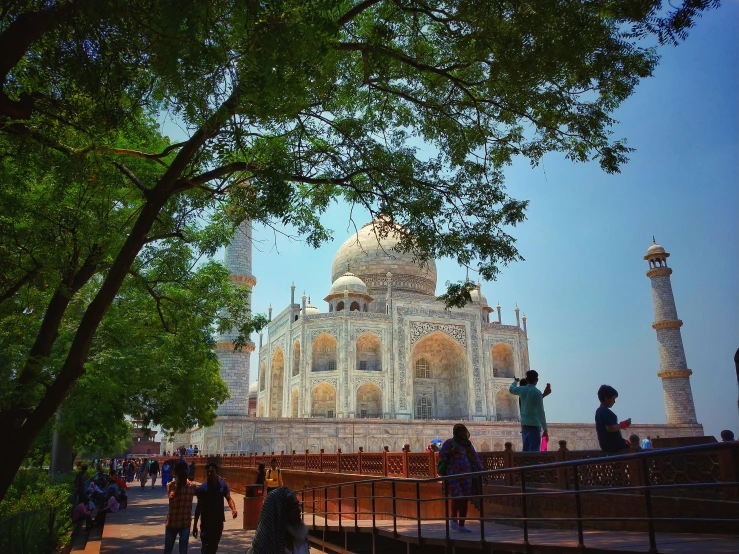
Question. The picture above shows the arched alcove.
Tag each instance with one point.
(276, 384)
(506, 407)
(446, 384)
(354, 306)
(369, 401)
(323, 352)
(294, 402)
(424, 407)
(340, 306)
(323, 401)
(369, 353)
(503, 361)
(262, 375)
(296, 358)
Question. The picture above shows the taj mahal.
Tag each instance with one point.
(381, 362)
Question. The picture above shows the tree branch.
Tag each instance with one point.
(135, 180)
(355, 11)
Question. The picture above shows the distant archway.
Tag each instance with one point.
(323, 352)
(369, 353)
(294, 402)
(506, 407)
(503, 361)
(296, 358)
(369, 401)
(276, 384)
(445, 363)
(323, 401)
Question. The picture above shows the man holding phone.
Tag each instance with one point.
(533, 419)
(606, 423)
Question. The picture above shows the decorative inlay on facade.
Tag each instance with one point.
(333, 381)
(420, 329)
(402, 313)
(316, 332)
(358, 382)
(501, 327)
(359, 331)
(344, 313)
(401, 280)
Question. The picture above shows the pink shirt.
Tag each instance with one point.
(79, 512)
(113, 504)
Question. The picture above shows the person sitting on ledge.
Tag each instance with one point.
(727, 435)
(634, 443)
(606, 422)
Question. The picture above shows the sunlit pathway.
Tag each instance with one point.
(140, 528)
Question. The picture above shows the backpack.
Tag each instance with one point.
(442, 465)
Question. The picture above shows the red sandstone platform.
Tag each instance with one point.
(508, 539)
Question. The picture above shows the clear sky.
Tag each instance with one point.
(583, 285)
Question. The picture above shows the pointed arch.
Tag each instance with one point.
(506, 408)
(369, 400)
(323, 401)
(323, 353)
(294, 402)
(445, 389)
(276, 382)
(296, 358)
(369, 353)
(503, 364)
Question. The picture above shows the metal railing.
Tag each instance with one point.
(316, 500)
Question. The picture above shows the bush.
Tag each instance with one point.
(35, 515)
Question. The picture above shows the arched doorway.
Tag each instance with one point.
(276, 384)
(369, 353)
(440, 376)
(506, 407)
(296, 358)
(294, 402)
(323, 401)
(323, 352)
(503, 361)
(369, 401)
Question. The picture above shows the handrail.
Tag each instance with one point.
(638, 461)
(661, 452)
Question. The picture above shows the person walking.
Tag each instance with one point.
(606, 423)
(533, 419)
(273, 478)
(153, 472)
(458, 456)
(179, 514)
(280, 528)
(165, 474)
(209, 509)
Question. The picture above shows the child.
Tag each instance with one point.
(606, 422)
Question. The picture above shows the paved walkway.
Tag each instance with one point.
(140, 527)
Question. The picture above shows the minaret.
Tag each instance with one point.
(673, 370)
(235, 364)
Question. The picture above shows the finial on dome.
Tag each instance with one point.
(517, 308)
(348, 267)
(653, 240)
(293, 285)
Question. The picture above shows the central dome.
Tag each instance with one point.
(370, 257)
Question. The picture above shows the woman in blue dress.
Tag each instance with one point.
(165, 474)
(461, 458)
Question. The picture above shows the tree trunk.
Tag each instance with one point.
(22, 436)
(62, 457)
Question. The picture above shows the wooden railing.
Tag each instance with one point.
(718, 465)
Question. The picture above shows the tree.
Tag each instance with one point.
(292, 105)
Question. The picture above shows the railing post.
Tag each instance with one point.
(648, 503)
(406, 449)
(282, 458)
(395, 511)
(728, 461)
(305, 462)
(578, 507)
(359, 460)
(562, 472)
(384, 460)
(524, 509)
(508, 462)
(320, 460)
(338, 460)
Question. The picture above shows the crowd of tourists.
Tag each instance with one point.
(103, 493)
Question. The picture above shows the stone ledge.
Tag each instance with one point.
(248, 347)
(657, 271)
(246, 279)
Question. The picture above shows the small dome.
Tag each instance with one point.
(348, 281)
(474, 294)
(310, 309)
(655, 249)
(253, 388)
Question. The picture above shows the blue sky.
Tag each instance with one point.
(583, 285)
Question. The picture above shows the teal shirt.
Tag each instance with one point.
(532, 405)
